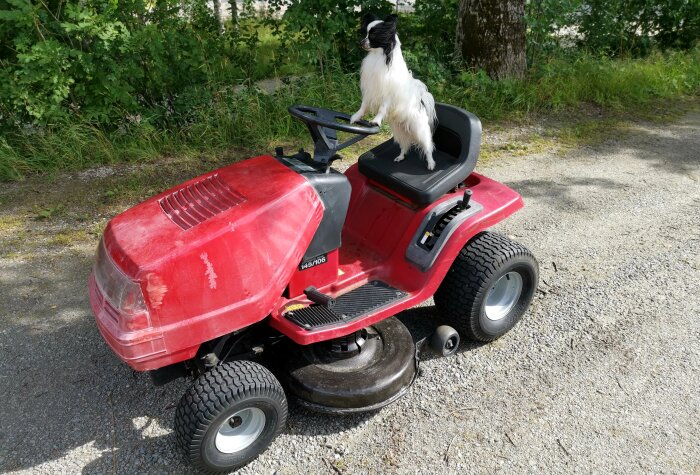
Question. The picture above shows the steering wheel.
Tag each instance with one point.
(322, 124)
(328, 118)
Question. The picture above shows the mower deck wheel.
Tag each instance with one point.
(444, 341)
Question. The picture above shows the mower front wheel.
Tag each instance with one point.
(230, 415)
(489, 287)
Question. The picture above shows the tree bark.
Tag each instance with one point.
(217, 15)
(491, 36)
(234, 13)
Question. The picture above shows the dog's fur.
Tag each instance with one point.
(390, 90)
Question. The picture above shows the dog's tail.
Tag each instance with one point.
(427, 102)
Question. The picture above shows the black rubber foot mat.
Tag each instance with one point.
(359, 302)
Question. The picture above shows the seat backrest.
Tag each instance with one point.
(457, 140)
(458, 134)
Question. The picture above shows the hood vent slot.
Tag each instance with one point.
(200, 201)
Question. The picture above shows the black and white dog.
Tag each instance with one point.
(390, 90)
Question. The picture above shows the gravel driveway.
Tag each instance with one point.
(602, 375)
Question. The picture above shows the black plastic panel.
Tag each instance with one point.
(425, 256)
(334, 190)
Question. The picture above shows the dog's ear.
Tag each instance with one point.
(391, 19)
(368, 18)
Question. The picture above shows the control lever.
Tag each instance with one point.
(466, 198)
(320, 298)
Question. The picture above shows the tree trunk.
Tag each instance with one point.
(491, 36)
(217, 15)
(234, 13)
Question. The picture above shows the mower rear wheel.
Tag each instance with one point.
(489, 287)
(230, 415)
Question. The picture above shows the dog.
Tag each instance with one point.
(391, 92)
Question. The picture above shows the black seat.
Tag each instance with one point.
(457, 140)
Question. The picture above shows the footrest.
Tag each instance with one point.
(355, 304)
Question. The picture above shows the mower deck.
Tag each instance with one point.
(356, 373)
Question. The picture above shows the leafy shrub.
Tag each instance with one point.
(432, 27)
(636, 26)
(612, 27)
(101, 60)
(550, 24)
(324, 31)
(97, 81)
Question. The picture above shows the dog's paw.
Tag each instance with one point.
(431, 165)
(355, 117)
(376, 122)
(399, 158)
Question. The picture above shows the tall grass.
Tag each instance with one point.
(560, 83)
(223, 116)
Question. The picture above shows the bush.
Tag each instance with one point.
(324, 31)
(99, 60)
(97, 81)
(612, 27)
(432, 29)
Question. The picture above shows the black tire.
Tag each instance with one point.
(238, 387)
(462, 296)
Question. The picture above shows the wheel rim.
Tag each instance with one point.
(240, 430)
(503, 296)
(451, 343)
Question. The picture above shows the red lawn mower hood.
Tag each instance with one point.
(227, 240)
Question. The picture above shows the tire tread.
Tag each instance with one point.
(216, 390)
(465, 282)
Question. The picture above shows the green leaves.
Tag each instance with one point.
(102, 60)
(611, 27)
(324, 31)
(43, 81)
(19, 14)
(49, 212)
(96, 81)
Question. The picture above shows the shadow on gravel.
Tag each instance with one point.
(422, 322)
(62, 389)
(560, 194)
(655, 148)
(664, 151)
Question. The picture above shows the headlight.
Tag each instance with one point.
(122, 293)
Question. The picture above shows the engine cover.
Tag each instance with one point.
(213, 254)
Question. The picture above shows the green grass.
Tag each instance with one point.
(252, 121)
(616, 84)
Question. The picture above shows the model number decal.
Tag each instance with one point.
(313, 262)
